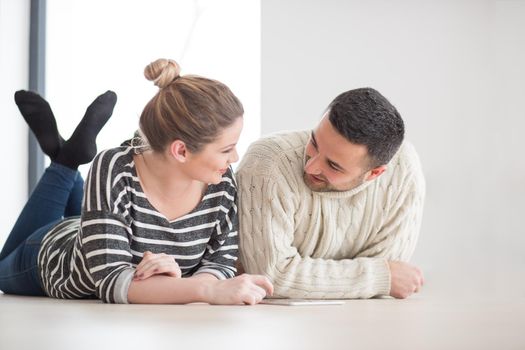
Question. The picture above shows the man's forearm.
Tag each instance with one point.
(325, 278)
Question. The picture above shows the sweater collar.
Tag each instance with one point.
(344, 194)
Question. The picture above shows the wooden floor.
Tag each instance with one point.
(436, 318)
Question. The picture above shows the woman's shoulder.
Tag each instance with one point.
(113, 155)
(113, 159)
(112, 169)
(110, 180)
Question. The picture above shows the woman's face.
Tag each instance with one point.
(212, 161)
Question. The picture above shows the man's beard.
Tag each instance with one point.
(325, 186)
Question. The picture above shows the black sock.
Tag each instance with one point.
(81, 147)
(38, 115)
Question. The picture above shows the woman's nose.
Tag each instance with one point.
(234, 156)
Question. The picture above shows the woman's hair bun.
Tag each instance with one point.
(162, 72)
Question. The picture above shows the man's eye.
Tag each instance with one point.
(333, 167)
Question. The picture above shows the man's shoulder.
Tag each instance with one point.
(274, 151)
(407, 155)
(279, 142)
(406, 164)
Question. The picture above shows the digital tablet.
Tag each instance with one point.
(301, 302)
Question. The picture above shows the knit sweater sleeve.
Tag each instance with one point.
(266, 245)
(105, 231)
(222, 250)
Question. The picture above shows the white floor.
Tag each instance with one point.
(437, 318)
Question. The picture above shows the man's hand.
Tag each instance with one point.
(156, 264)
(405, 279)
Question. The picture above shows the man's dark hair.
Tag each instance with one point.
(365, 117)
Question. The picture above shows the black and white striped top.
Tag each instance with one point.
(96, 255)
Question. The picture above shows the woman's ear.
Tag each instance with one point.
(178, 151)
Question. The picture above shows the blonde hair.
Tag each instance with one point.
(189, 108)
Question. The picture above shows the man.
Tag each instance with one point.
(334, 212)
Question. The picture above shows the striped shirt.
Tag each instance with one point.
(95, 255)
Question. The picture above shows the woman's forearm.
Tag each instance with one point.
(161, 289)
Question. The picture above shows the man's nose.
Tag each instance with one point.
(312, 166)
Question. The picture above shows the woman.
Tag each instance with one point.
(156, 209)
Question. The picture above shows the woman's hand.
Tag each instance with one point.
(156, 264)
(243, 289)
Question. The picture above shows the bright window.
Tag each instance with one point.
(96, 45)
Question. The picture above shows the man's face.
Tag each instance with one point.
(332, 163)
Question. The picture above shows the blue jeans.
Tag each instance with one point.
(58, 195)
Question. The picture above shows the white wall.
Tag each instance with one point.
(14, 66)
(456, 71)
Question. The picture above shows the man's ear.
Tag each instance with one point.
(374, 173)
(178, 151)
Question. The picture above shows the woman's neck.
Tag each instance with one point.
(162, 177)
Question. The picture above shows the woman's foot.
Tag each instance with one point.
(81, 147)
(38, 115)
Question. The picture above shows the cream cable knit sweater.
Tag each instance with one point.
(325, 244)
